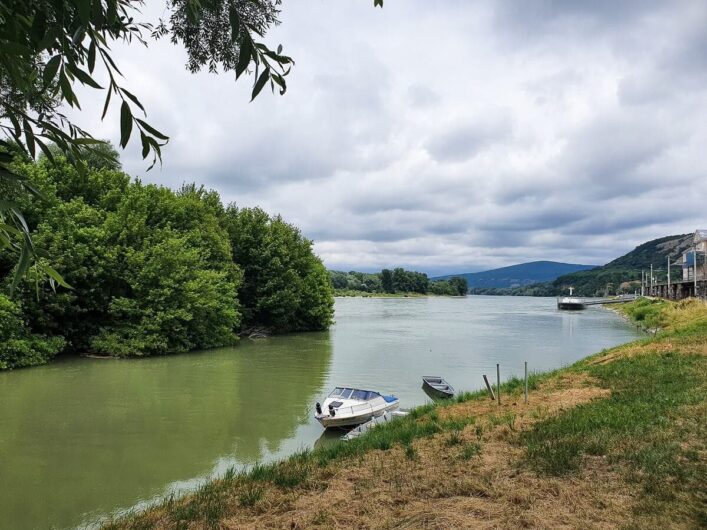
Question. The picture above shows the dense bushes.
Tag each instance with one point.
(19, 347)
(155, 271)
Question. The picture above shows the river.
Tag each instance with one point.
(82, 438)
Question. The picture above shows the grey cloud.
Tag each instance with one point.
(422, 96)
(464, 141)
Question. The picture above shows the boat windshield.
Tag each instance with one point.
(353, 393)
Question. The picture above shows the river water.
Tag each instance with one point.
(82, 438)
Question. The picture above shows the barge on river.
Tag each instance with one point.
(570, 303)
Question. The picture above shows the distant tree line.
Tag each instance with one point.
(152, 271)
(394, 281)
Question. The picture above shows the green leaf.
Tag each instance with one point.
(105, 105)
(66, 91)
(235, 21)
(280, 81)
(54, 275)
(133, 99)
(260, 83)
(92, 56)
(154, 132)
(50, 70)
(145, 145)
(126, 124)
(84, 77)
(29, 137)
(244, 54)
(47, 152)
(22, 266)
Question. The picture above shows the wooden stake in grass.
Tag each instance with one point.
(498, 384)
(489, 388)
(526, 382)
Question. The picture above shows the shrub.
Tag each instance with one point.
(18, 346)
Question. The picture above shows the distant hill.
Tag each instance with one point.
(620, 275)
(627, 268)
(519, 275)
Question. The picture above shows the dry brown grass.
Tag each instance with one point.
(438, 488)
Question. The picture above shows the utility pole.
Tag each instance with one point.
(651, 291)
(694, 256)
(669, 297)
(643, 281)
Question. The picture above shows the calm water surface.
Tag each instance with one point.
(82, 438)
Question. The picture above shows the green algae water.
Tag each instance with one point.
(84, 438)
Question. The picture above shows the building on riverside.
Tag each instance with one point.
(691, 277)
(693, 259)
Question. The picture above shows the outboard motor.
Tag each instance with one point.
(332, 411)
(318, 406)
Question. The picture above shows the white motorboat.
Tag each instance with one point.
(347, 407)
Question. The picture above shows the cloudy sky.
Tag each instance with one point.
(449, 135)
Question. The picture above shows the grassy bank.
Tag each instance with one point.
(615, 440)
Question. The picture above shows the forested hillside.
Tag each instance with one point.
(152, 271)
(622, 275)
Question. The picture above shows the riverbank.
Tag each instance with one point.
(617, 438)
(348, 293)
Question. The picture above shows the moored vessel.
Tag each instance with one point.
(436, 387)
(348, 407)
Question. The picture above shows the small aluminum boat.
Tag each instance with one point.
(436, 387)
(348, 407)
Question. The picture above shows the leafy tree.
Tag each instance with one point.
(175, 302)
(387, 281)
(285, 286)
(460, 285)
(339, 280)
(442, 288)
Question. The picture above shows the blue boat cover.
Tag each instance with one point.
(390, 399)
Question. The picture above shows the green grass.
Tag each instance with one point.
(649, 313)
(644, 390)
(250, 495)
(470, 450)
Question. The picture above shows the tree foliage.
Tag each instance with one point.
(284, 284)
(394, 281)
(155, 271)
(18, 345)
